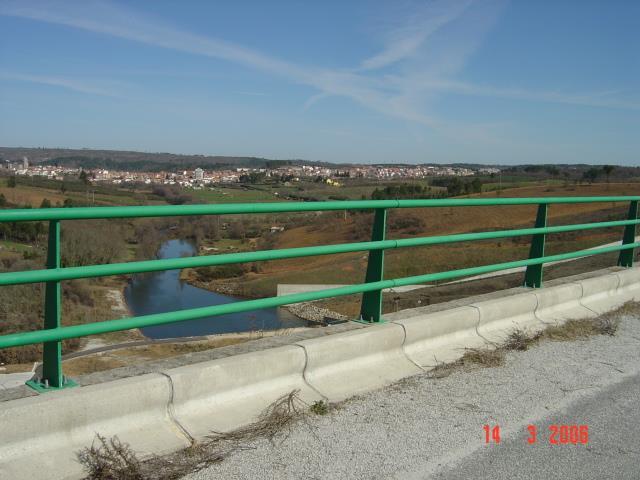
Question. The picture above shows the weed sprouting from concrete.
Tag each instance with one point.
(274, 422)
(606, 325)
(520, 340)
(110, 459)
(570, 330)
(580, 329)
(483, 357)
(319, 407)
(472, 357)
(442, 369)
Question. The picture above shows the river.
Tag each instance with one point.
(159, 292)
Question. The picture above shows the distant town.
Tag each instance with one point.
(198, 177)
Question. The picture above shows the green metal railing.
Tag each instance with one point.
(371, 307)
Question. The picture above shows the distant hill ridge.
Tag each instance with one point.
(148, 161)
(130, 160)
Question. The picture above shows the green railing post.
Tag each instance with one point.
(52, 351)
(371, 307)
(52, 377)
(625, 258)
(533, 275)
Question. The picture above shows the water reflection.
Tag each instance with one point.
(159, 292)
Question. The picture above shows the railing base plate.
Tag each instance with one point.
(369, 322)
(41, 388)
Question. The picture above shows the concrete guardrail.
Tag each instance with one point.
(165, 411)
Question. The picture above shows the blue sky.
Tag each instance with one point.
(488, 81)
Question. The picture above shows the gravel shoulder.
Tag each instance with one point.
(425, 427)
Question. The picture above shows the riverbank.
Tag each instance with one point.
(223, 287)
(308, 311)
(313, 313)
(175, 290)
(110, 304)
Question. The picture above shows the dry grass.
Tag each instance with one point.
(349, 268)
(17, 367)
(24, 195)
(606, 324)
(274, 422)
(472, 358)
(483, 357)
(519, 340)
(152, 352)
(580, 329)
(128, 356)
(90, 364)
(110, 459)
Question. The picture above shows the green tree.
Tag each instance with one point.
(252, 177)
(607, 170)
(237, 231)
(455, 186)
(3, 200)
(11, 183)
(476, 185)
(552, 170)
(84, 178)
(591, 175)
(45, 203)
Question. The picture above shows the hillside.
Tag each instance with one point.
(335, 227)
(141, 161)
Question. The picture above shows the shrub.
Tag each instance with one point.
(206, 274)
(110, 459)
(407, 222)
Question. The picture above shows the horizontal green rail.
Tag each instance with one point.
(85, 213)
(371, 306)
(75, 331)
(73, 273)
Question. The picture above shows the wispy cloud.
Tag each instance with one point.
(404, 40)
(600, 99)
(66, 83)
(110, 19)
(425, 50)
(118, 21)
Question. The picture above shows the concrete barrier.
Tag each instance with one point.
(501, 316)
(629, 285)
(223, 394)
(39, 436)
(600, 294)
(162, 412)
(346, 364)
(558, 304)
(440, 337)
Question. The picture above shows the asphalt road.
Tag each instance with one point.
(612, 450)
(424, 428)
